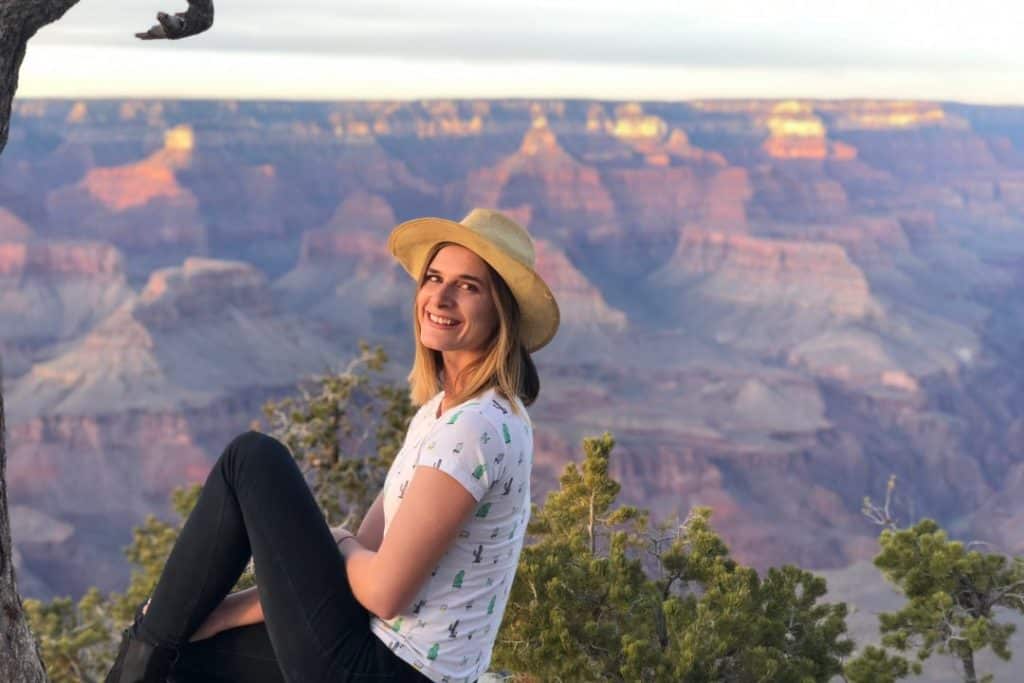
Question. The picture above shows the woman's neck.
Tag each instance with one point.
(450, 393)
(454, 363)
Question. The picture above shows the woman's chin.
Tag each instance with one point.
(434, 343)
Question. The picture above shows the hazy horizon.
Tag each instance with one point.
(397, 99)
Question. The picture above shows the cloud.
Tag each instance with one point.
(567, 31)
(55, 71)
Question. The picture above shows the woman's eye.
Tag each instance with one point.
(469, 287)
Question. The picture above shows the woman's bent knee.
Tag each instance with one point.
(262, 450)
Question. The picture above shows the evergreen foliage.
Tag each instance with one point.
(75, 642)
(583, 607)
(344, 429)
(953, 596)
(876, 665)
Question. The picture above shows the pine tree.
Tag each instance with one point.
(570, 605)
(728, 624)
(952, 593)
(584, 608)
(876, 665)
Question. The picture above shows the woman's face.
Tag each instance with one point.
(455, 304)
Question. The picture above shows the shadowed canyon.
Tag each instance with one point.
(773, 305)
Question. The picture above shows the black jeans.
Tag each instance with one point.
(256, 503)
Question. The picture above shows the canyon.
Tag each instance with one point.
(772, 305)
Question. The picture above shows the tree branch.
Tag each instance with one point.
(198, 18)
(882, 516)
(19, 21)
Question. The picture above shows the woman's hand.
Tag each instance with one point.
(340, 533)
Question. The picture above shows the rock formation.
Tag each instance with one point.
(53, 292)
(773, 305)
(140, 207)
(345, 279)
(103, 431)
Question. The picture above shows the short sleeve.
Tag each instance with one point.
(463, 445)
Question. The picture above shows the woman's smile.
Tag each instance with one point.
(442, 322)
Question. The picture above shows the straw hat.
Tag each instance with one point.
(499, 241)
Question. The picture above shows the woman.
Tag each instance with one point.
(419, 591)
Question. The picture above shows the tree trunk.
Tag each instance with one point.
(19, 21)
(967, 658)
(19, 656)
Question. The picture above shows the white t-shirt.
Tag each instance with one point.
(448, 631)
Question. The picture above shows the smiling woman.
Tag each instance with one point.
(457, 311)
(418, 593)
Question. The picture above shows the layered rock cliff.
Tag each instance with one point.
(140, 207)
(103, 431)
(54, 292)
(773, 304)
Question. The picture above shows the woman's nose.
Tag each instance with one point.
(443, 295)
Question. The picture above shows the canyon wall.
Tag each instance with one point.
(773, 305)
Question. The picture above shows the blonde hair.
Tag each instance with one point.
(506, 365)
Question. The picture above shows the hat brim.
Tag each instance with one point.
(412, 241)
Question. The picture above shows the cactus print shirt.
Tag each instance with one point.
(448, 631)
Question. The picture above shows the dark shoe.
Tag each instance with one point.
(141, 662)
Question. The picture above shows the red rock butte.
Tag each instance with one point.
(127, 186)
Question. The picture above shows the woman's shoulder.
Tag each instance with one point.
(494, 407)
(489, 408)
(428, 409)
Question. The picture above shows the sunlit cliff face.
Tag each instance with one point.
(895, 115)
(125, 187)
(805, 126)
(632, 123)
(132, 185)
(796, 132)
(79, 112)
(540, 139)
(179, 139)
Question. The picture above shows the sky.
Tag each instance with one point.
(625, 49)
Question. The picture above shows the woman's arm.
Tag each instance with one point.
(371, 531)
(237, 609)
(433, 510)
